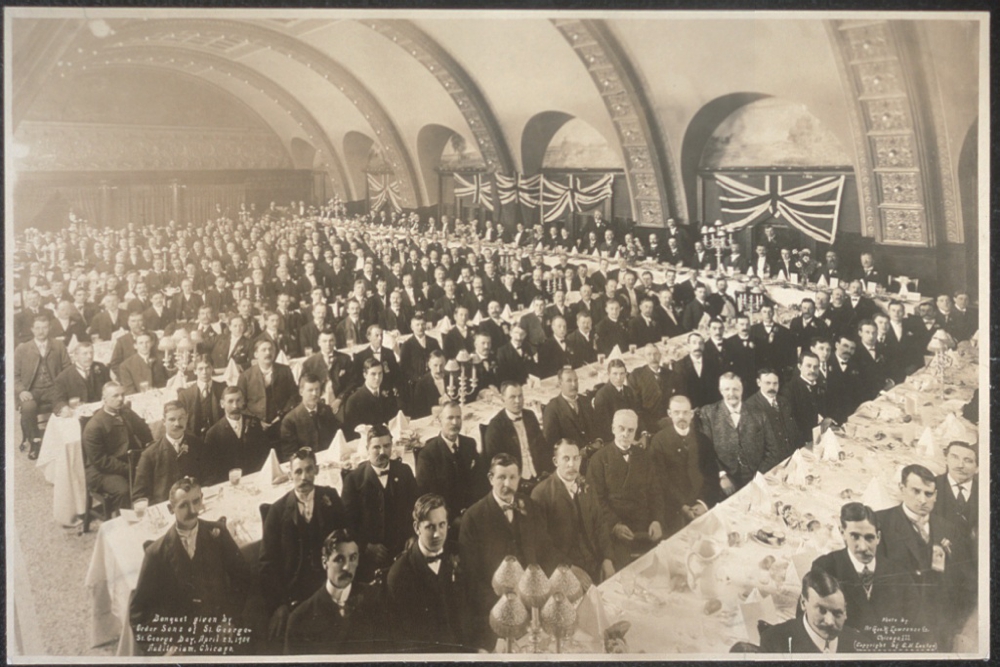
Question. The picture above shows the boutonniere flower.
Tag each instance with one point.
(327, 502)
(520, 507)
(182, 450)
(751, 345)
(216, 532)
(946, 545)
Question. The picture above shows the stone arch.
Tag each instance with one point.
(537, 134)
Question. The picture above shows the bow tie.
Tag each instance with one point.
(625, 452)
(507, 507)
(434, 559)
(516, 419)
(381, 473)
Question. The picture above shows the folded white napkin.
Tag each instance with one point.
(232, 374)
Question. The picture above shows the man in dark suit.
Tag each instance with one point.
(623, 477)
(695, 309)
(665, 313)
(774, 343)
(777, 410)
(107, 438)
(610, 332)
(761, 265)
(308, 334)
(37, 364)
(742, 437)
(860, 306)
(312, 423)
(872, 366)
(568, 416)
(424, 596)
(430, 390)
(66, 325)
(806, 326)
(500, 524)
(698, 375)
(378, 495)
(349, 330)
(448, 464)
(235, 441)
(194, 570)
(344, 615)
(125, 345)
(573, 516)
(110, 319)
(202, 400)
(143, 370)
(555, 352)
(415, 352)
(371, 403)
(517, 359)
(822, 628)
(82, 381)
(582, 340)
(232, 346)
(615, 395)
(875, 589)
(24, 320)
(176, 454)
(643, 328)
(958, 488)
(936, 552)
(686, 463)
(269, 388)
(396, 317)
(805, 398)
(295, 527)
(392, 376)
(653, 385)
(186, 303)
(739, 353)
(843, 386)
(334, 367)
(516, 432)
(868, 273)
(158, 316)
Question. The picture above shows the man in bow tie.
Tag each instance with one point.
(378, 495)
(344, 615)
(623, 478)
(502, 523)
(424, 596)
(177, 454)
(936, 552)
(516, 431)
(294, 530)
(195, 570)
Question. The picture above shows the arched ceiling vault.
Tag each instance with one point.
(457, 82)
(196, 61)
(230, 33)
(43, 49)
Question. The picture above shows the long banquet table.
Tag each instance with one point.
(117, 557)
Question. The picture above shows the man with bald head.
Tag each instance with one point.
(623, 477)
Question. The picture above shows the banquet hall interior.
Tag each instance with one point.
(201, 159)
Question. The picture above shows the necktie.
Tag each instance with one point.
(826, 646)
(573, 405)
(188, 544)
(305, 510)
(923, 530)
(867, 578)
(963, 502)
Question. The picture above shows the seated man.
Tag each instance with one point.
(37, 363)
(776, 410)
(343, 615)
(232, 346)
(290, 565)
(430, 390)
(175, 455)
(235, 441)
(378, 495)
(582, 340)
(875, 589)
(125, 345)
(822, 628)
(194, 571)
(806, 397)
(687, 464)
(392, 377)
(269, 389)
(623, 478)
(448, 464)
(958, 487)
(334, 367)
(202, 400)
(107, 438)
(743, 439)
(610, 331)
(567, 416)
(642, 328)
(424, 599)
(500, 524)
(517, 359)
(311, 423)
(371, 403)
(611, 398)
(573, 516)
(653, 384)
(517, 432)
(82, 381)
(143, 370)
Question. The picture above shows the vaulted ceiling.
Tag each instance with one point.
(340, 81)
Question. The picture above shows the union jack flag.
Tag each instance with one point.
(480, 189)
(812, 207)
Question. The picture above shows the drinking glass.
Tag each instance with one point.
(234, 476)
(139, 507)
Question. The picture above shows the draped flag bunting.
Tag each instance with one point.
(479, 188)
(519, 188)
(574, 196)
(381, 191)
(812, 206)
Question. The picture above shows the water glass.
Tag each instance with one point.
(234, 476)
(139, 506)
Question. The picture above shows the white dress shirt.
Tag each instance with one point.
(527, 465)
(306, 504)
(824, 646)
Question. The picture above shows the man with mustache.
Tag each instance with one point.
(294, 530)
(378, 495)
(425, 601)
(822, 628)
(344, 615)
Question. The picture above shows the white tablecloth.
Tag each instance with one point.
(61, 459)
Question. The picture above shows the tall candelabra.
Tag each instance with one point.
(750, 300)
(461, 374)
(715, 238)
